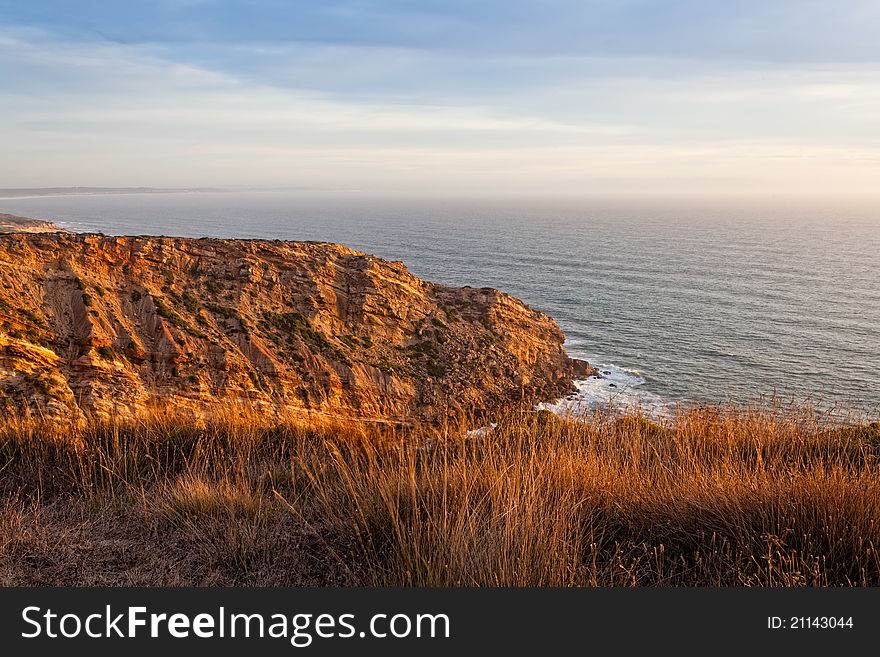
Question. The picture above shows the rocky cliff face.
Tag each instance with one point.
(99, 324)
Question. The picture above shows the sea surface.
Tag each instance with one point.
(679, 301)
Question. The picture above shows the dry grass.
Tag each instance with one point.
(731, 497)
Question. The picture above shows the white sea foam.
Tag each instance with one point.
(619, 387)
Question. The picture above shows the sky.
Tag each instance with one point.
(444, 96)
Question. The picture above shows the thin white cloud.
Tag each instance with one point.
(109, 114)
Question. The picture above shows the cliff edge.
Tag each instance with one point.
(105, 325)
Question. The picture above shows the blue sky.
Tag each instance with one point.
(559, 96)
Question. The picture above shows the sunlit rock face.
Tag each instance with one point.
(93, 324)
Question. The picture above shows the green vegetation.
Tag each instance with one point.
(31, 317)
(166, 312)
(229, 313)
(224, 311)
(190, 302)
(300, 326)
(106, 352)
(427, 351)
(868, 435)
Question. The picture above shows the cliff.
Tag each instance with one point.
(101, 325)
(10, 223)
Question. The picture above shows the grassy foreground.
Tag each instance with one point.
(727, 496)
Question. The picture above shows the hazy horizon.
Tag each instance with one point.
(635, 97)
(57, 204)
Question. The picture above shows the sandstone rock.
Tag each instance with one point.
(98, 324)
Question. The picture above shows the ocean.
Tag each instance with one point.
(678, 301)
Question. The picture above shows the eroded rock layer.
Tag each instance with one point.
(100, 324)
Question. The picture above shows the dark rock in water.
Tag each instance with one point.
(612, 385)
(581, 369)
(606, 371)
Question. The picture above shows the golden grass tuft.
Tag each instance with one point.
(193, 498)
(730, 496)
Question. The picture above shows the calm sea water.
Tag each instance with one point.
(693, 302)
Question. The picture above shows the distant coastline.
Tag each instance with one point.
(11, 223)
(25, 192)
(38, 192)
